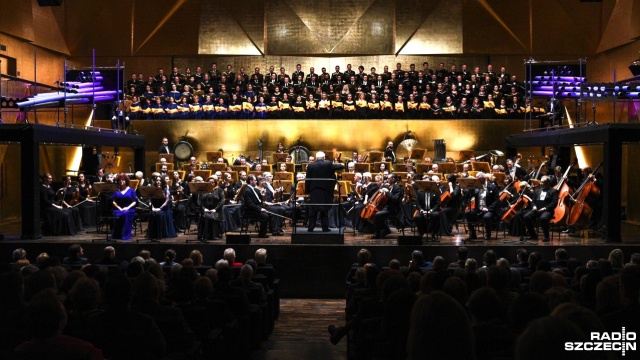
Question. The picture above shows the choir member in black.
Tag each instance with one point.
(484, 207)
(464, 109)
(476, 109)
(210, 225)
(436, 109)
(395, 194)
(59, 219)
(253, 205)
(427, 218)
(179, 197)
(544, 203)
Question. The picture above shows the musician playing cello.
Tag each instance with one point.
(544, 202)
(395, 194)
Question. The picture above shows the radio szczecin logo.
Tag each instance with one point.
(607, 341)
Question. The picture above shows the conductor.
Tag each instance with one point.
(321, 191)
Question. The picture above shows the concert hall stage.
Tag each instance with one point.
(319, 270)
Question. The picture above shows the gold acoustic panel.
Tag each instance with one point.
(222, 32)
(440, 33)
(241, 136)
(352, 27)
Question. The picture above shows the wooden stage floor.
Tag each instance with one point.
(630, 237)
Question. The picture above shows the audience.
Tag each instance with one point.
(397, 313)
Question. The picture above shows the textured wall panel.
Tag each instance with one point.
(288, 34)
(48, 30)
(16, 18)
(372, 33)
(410, 15)
(221, 32)
(441, 33)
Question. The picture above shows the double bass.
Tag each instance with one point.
(583, 197)
(564, 194)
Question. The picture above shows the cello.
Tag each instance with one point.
(587, 193)
(522, 202)
(564, 194)
(377, 203)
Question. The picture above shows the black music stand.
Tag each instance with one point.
(151, 193)
(447, 167)
(199, 188)
(106, 189)
(428, 186)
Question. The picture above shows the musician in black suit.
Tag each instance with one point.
(164, 147)
(389, 153)
(321, 191)
(253, 205)
(553, 113)
(395, 194)
(544, 201)
(516, 171)
(427, 219)
(486, 201)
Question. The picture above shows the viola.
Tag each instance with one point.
(584, 198)
(445, 197)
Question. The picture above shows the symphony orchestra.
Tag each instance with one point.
(432, 199)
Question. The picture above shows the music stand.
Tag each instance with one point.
(256, 173)
(213, 156)
(301, 189)
(447, 168)
(239, 168)
(376, 166)
(169, 166)
(168, 157)
(348, 176)
(204, 174)
(470, 183)
(286, 186)
(422, 168)
(329, 154)
(375, 156)
(283, 176)
(134, 184)
(499, 177)
(107, 189)
(362, 167)
(291, 167)
(216, 166)
(417, 153)
(481, 166)
(400, 167)
(464, 155)
(279, 157)
(234, 175)
(428, 186)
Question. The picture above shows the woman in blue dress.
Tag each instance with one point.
(124, 203)
(160, 219)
